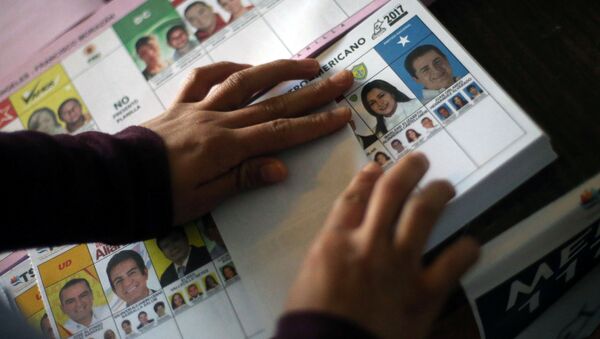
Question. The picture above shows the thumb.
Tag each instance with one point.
(249, 174)
(257, 172)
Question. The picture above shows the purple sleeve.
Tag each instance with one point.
(89, 187)
(316, 325)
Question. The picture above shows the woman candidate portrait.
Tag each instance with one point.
(387, 104)
(412, 135)
(177, 301)
(458, 102)
(381, 158)
(44, 120)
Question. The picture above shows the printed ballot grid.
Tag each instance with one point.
(132, 290)
(132, 71)
(458, 125)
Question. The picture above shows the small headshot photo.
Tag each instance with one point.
(388, 105)
(212, 236)
(397, 146)
(177, 301)
(193, 292)
(179, 39)
(148, 50)
(412, 135)
(473, 91)
(458, 101)
(159, 309)
(381, 158)
(109, 334)
(428, 124)
(128, 276)
(185, 258)
(430, 67)
(229, 272)
(77, 302)
(44, 120)
(71, 113)
(235, 8)
(202, 17)
(210, 282)
(144, 320)
(126, 326)
(443, 112)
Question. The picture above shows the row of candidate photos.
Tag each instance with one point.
(164, 38)
(139, 287)
(422, 126)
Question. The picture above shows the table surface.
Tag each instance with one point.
(546, 55)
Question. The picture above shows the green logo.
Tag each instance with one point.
(360, 71)
(353, 98)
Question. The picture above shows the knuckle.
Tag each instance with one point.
(282, 63)
(275, 106)
(319, 119)
(352, 198)
(237, 80)
(280, 126)
(423, 207)
(320, 86)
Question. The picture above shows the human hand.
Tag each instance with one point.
(216, 147)
(366, 266)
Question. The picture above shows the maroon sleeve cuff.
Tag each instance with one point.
(87, 187)
(310, 325)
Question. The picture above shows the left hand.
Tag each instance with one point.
(216, 147)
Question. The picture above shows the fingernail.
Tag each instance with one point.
(342, 78)
(343, 112)
(273, 172)
(311, 65)
(422, 158)
(372, 167)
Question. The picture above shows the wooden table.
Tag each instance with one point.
(546, 54)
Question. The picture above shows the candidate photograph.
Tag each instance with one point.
(183, 256)
(77, 303)
(129, 277)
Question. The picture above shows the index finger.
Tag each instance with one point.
(293, 104)
(281, 134)
(239, 87)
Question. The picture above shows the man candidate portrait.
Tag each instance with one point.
(128, 276)
(77, 302)
(430, 67)
(184, 257)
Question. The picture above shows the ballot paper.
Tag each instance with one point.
(416, 89)
(183, 285)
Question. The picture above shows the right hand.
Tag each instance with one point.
(365, 265)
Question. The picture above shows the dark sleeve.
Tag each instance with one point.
(89, 187)
(312, 325)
